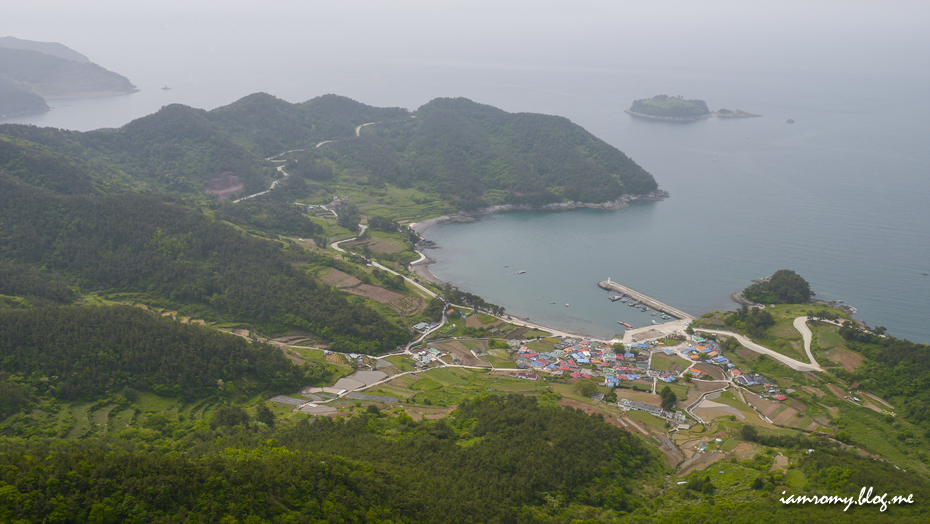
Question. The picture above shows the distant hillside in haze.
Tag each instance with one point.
(54, 77)
(31, 71)
(48, 48)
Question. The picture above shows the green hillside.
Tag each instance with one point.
(55, 77)
(469, 152)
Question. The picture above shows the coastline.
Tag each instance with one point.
(731, 114)
(421, 267)
(472, 216)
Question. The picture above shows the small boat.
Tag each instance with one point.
(625, 324)
(553, 302)
(537, 298)
(654, 313)
(654, 323)
(166, 88)
(506, 266)
(924, 273)
(615, 298)
(566, 304)
(521, 271)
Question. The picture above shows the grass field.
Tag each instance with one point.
(663, 363)
(535, 333)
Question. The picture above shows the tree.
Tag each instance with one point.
(264, 415)
(229, 416)
(587, 388)
(668, 398)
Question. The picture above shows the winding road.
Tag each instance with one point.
(800, 324)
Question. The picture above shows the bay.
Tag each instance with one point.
(840, 196)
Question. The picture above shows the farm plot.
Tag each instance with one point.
(407, 306)
(463, 352)
(339, 279)
(375, 293)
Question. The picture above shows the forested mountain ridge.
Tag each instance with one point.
(472, 154)
(170, 252)
(479, 155)
(55, 77)
(180, 149)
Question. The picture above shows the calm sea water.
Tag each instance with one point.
(840, 196)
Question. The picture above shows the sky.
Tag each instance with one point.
(276, 45)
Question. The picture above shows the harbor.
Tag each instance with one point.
(645, 300)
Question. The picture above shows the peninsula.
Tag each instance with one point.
(677, 109)
(30, 72)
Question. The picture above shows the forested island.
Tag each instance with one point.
(31, 72)
(677, 109)
(189, 306)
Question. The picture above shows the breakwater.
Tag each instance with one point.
(644, 299)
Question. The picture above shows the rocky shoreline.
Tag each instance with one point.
(472, 216)
(728, 114)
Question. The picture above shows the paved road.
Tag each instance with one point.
(800, 324)
(790, 362)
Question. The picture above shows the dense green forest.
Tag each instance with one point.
(465, 150)
(670, 107)
(472, 154)
(88, 352)
(180, 149)
(166, 250)
(783, 287)
(497, 459)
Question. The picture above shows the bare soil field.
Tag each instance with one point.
(781, 463)
(747, 354)
(378, 294)
(516, 333)
(473, 322)
(707, 385)
(877, 399)
(844, 357)
(339, 279)
(709, 409)
(788, 417)
(766, 407)
(224, 185)
(463, 353)
(639, 396)
(713, 371)
(813, 391)
(744, 450)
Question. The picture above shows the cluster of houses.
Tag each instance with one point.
(584, 358)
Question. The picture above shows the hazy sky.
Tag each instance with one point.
(841, 34)
(300, 49)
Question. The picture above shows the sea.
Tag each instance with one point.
(841, 195)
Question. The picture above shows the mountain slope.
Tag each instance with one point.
(466, 150)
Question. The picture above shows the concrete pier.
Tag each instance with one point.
(645, 300)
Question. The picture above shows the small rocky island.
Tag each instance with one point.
(677, 109)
